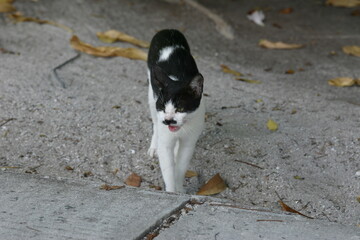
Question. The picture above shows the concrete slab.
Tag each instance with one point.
(35, 208)
(218, 222)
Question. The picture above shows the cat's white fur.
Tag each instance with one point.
(174, 149)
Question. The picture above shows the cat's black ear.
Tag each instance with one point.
(196, 85)
(159, 78)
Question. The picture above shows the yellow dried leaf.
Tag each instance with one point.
(18, 17)
(114, 35)
(278, 45)
(226, 69)
(190, 174)
(272, 125)
(343, 3)
(248, 80)
(215, 185)
(6, 6)
(133, 180)
(342, 82)
(352, 50)
(132, 53)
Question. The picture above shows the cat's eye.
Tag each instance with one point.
(180, 109)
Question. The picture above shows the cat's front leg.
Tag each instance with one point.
(167, 163)
(184, 155)
(153, 146)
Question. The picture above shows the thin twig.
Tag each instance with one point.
(269, 220)
(33, 229)
(6, 121)
(250, 164)
(54, 70)
(233, 206)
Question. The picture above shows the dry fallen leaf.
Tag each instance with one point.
(215, 185)
(132, 53)
(289, 209)
(343, 3)
(299, 177)
(248, 80)
(109, 187)
(155, 187)
(226, 69)
(133, 180)
(18, 17)
(352, 50)
(6, 6)
(342, 82)
(152, 236)
(286, 10)
(290, 71)
(114, 35)
(355, 13)
(88, 174)
(69, 168)
(190, 174)
(272, 125)
(278, 45)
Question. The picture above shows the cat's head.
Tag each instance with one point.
(176, 99)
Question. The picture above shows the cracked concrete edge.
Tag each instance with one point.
(194, 201)
(161, 220)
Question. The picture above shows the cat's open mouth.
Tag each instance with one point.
(173, 128)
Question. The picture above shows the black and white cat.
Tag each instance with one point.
(176, 105)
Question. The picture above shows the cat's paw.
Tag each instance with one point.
(152, 152)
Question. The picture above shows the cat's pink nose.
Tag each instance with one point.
(169, 122)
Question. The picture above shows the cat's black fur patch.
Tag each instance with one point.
(185, 93)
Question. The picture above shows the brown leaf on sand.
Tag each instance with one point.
(342, 82)
(289, 209)
(6, 6)
(114, 35)
(286, 10)
(226, 69)
(248, 80)
(290, 71)
(155, 187)
(215, 185)
(109, 187)
(133, 180)
(18, 17)
(106, 51)
(343, 3)
(352, 50)
(278, 45)
(190, 174)
(355, 13)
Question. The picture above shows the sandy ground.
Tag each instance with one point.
(99, 125)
